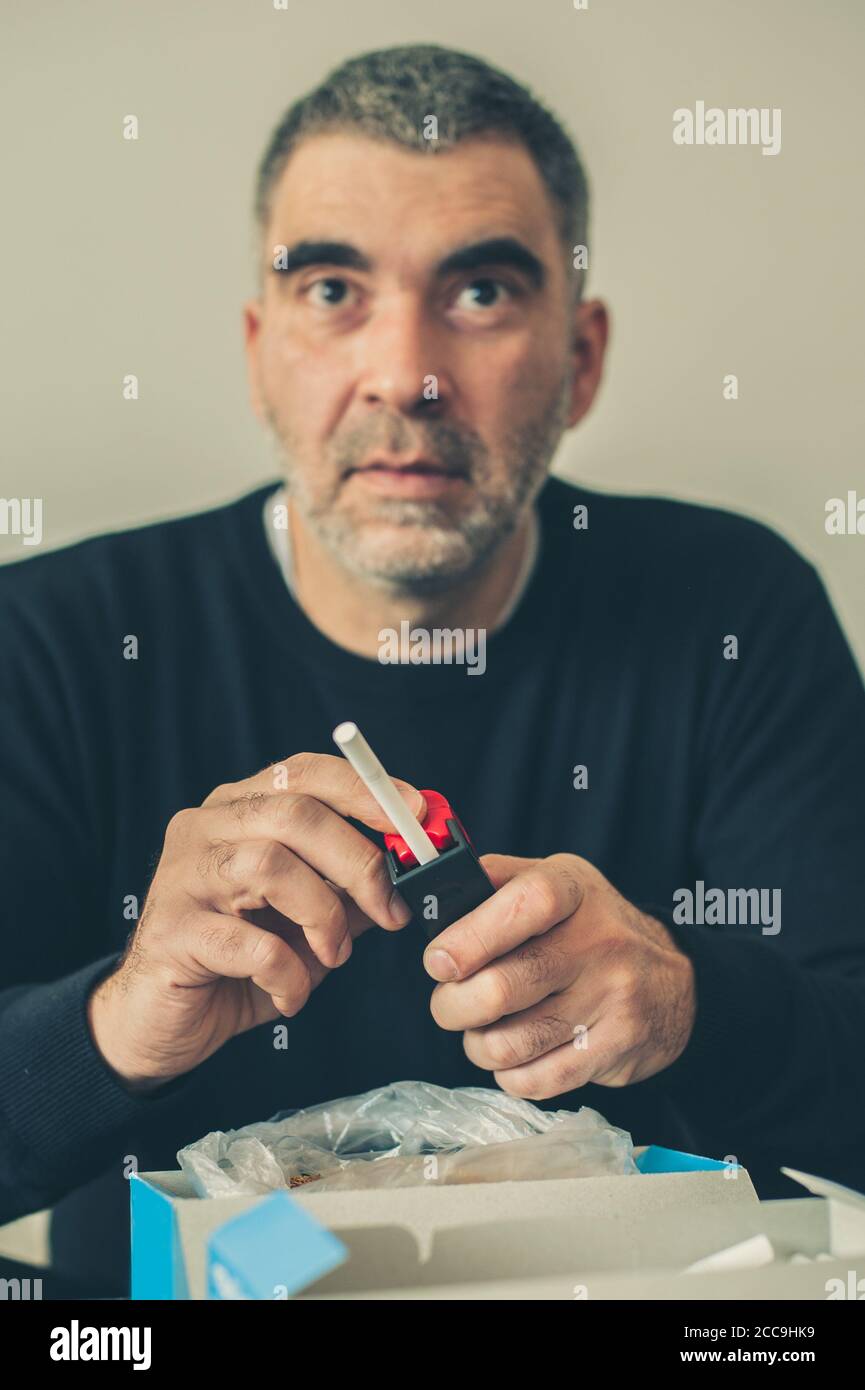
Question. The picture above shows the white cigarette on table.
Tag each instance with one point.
(352, 744)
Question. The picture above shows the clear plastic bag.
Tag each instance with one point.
(404, 1134)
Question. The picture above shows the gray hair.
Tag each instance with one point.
(389, 94)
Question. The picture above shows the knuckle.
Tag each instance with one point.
(268, 952)
(634, 1030)
(620, 973)
(217, 859)
(573, 872)
(537, 959)
(572, 863)
(298, 813)
(544, 1087)
(223, 942)
(180, 825)
(497, 992)
(370, 870)
(537, 896)
(470, 943)
(520, 1087)
(299, 768)
(560, 1078)
(334, 919)
(242, 807)
(541, 1034)
(272, 860)
(224, 792)
(502, 1050)
(625, 985)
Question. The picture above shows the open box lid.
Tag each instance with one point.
(846, 1211)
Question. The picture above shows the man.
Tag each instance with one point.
(666, 710)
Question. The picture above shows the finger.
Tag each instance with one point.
(517, 981)
(274, 921)
(231, 948)
(603, 1059)
(523, 1037)
(328, 778)
(573, 1015)
(268, 919)
(501, 868)
(530, 902)
(325, 842)
(247, 875)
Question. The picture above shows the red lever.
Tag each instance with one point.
(434, 823)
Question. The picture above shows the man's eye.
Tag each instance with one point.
(328, 293)
(482, 294)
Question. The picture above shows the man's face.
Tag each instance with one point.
(419, 354)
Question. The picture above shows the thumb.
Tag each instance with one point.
(503, 867)
(412, 798)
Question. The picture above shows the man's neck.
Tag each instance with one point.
(353, 614)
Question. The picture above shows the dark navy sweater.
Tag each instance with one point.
(735, 773)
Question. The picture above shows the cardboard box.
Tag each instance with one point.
(425, 1235)
(646, 1264)
(627, 1237)
(846, 1212)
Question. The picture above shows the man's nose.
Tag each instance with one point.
(400, 365)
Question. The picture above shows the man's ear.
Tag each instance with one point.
(591, 330)
(252, 311)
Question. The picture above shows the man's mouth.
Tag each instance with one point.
(417, 467)
(415, 477)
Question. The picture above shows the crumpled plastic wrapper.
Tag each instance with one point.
(403, 1135)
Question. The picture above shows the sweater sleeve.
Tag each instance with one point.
(773, 1072)
(63, 1113)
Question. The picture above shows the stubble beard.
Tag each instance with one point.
(439, 548)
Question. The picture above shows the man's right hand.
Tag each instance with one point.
(258, 894)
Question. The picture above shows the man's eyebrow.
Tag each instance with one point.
(503, 251)
(495, 251)
(305, 253)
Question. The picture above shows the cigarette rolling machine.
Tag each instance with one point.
(432, 864)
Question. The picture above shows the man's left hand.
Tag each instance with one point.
(557, 981)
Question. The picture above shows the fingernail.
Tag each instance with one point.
(344, 951)
(440, 965)
(398, 909)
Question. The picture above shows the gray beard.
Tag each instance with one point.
(454, 550)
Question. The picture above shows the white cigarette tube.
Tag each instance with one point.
(351, 742)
